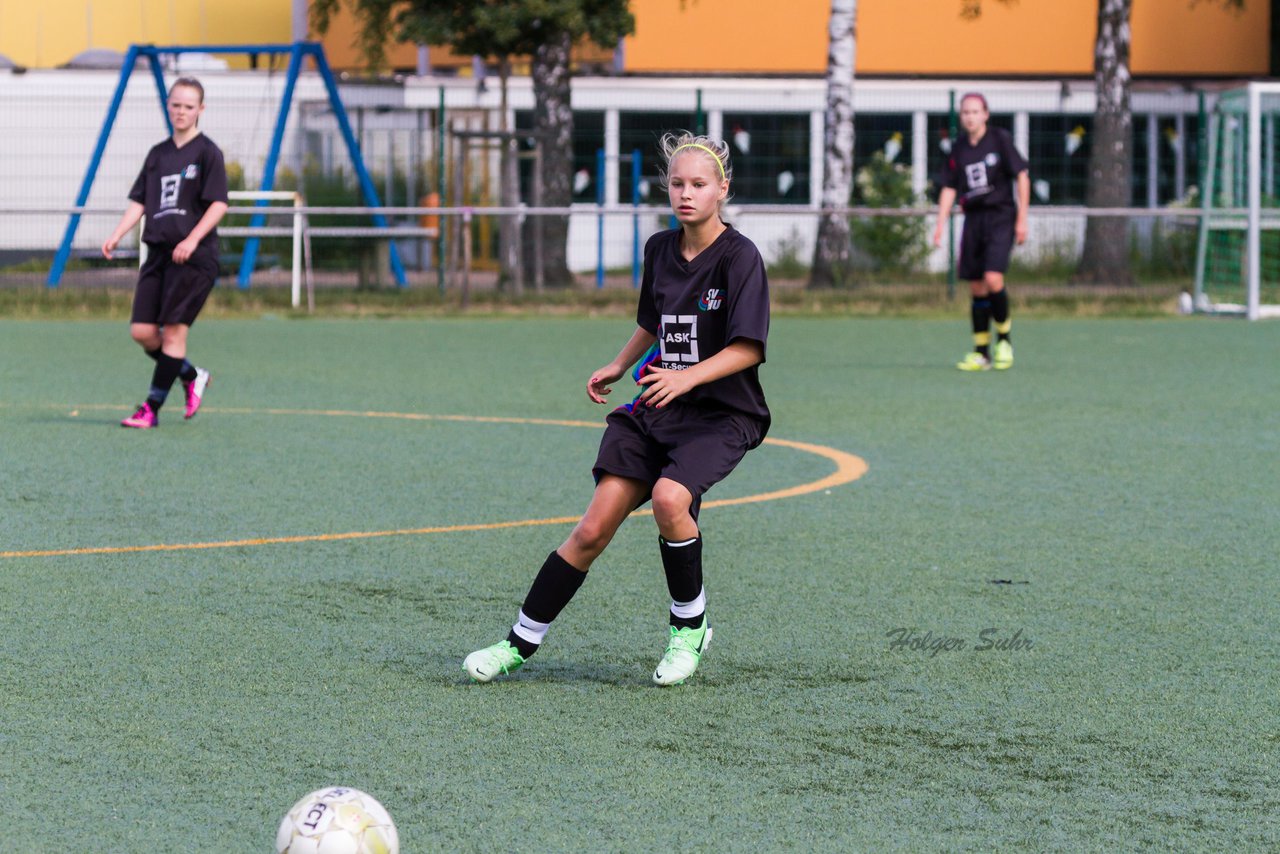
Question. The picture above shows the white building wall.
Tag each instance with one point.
(50, 120)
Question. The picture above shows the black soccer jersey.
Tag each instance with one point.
(176, 186)
(697, 308)
(982, 175)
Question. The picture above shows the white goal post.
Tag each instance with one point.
(296, 230)
(1238, 250)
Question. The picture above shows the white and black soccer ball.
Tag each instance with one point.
(337, 820)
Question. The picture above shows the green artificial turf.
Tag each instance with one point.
(1107, 510)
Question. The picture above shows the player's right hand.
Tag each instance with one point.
(598, 385)
(109, 246)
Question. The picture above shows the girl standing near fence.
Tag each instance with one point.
(182, 190)
(982, 170)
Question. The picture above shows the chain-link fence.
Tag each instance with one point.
(434, 149)
(891, 246)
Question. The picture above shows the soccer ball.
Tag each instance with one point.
(337, 820)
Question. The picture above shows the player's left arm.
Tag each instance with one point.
(1024, 202)
(664, 386)
(212, 216)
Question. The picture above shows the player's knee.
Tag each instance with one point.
(671, 502)
(590, 536)
(993, 282)
(147, 336)
(175, 334)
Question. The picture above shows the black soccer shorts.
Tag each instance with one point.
(169, 292)
(695, 446)
(986, 242)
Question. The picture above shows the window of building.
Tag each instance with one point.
(642, 131)
(770, 154)
(887, 134)
(1059, 158)
(588, 137)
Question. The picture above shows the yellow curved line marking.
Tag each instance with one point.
(848, 469)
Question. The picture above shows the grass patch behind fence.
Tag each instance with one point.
(929, 299)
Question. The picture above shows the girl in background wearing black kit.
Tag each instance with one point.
(182, 190)
(982, 170)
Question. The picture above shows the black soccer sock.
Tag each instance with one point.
(555, 585)
(981, 316)
(188, 372)
(1000, 314)
(682, 562)
(167, 369)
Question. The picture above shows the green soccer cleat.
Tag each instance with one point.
(1004, 356)
(497, 660)
(684, 652)
(974, 362)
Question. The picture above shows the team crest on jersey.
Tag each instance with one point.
(192, 171)
(711, 300)
(993, 158)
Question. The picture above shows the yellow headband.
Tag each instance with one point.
(714, 156)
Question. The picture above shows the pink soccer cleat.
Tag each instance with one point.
(144, 419)
(195, 391)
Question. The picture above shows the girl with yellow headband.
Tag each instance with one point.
(701, 328)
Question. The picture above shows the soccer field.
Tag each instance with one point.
(1044, 618)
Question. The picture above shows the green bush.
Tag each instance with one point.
(1169, 253)
(787, 261)
(890, 244)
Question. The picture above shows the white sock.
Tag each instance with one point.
(689, 610)
(529, 629)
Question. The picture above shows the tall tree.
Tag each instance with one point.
(832, 250)
(1105, 257)
(543, 30)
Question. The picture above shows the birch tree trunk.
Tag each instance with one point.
(1105, 258)
(553, 118)
(510, 276)
(832, 251)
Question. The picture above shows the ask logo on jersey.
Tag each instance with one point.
(678, 340)
(711, 300)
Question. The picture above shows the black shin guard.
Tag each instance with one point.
(980, 314)
(188, 371)
(162, 379)
(555, 584)
(1000, 313)
(683, 567)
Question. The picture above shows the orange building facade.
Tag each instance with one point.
(1037, 38)
(1030, 38)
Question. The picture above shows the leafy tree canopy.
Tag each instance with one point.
(483, 27)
